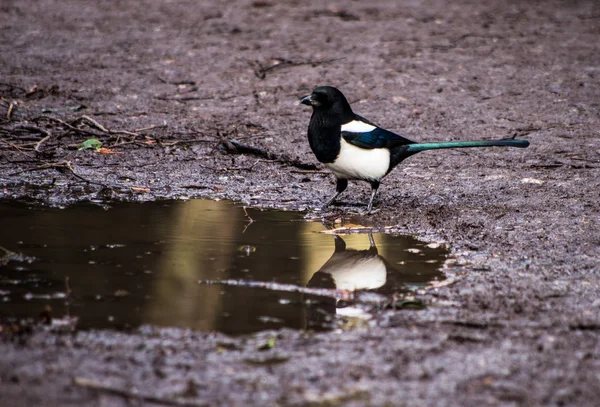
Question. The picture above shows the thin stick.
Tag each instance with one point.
(184, 98)
(33, 129)
(68, 286)
(10, 110)
(39, 143)
(234, 146)
(251, 221)
(16, 147)
(68, 126)
(292, 288)
(62, 164)
(93, 123)
(103, 129)
(67, 165)
(5, 250)
(184, 82)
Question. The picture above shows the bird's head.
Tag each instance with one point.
(328, 99)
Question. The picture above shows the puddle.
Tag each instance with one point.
(197, 264)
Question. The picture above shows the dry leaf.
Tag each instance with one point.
(440, 284)
(32, 90)
(531, 181)
(103, 150)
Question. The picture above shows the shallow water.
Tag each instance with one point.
(198, 264)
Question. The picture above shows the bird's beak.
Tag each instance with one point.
(306, 100)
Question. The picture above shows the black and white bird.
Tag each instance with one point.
(347, 270)
(351, 270)
(353, 148)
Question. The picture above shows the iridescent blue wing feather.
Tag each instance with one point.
(364, 134)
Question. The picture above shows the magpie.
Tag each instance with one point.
(351, 270)
(354, 148)
(347, 270)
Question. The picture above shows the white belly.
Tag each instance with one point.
(360, 163)
(351, 275)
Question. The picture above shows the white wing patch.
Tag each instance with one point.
(360, 163)
(356, 126)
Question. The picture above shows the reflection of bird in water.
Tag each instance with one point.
(346, 270)
(350, 269)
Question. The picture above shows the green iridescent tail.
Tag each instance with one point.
(415, 148)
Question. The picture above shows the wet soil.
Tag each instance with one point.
(169, 85)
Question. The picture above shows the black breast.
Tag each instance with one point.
(324, 138)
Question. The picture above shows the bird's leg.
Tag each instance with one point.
(372, 247)
(341, 186)
(371, 240)
(374, 187)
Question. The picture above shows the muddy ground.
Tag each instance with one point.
(168, 85)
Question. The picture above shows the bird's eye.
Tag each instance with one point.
(320, 100)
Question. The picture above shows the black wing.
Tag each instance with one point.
(376, 138)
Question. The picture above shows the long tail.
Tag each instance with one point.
(415, 148)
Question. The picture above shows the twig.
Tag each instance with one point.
(67, 287)
(16, 147)
(94, 385)
(250, 220)
(91, 122)
(67, 165)
(233, 146)
(67, 125)
(33, 129)
(11, 106)
(557, 165)
(292, 288)
(226, 143)
(156, 126)
(63, 164)
(5, 250)
(39, 143)
(248, 216)
(177, 83)
(246, 148)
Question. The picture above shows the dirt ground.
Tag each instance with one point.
(168, 84)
